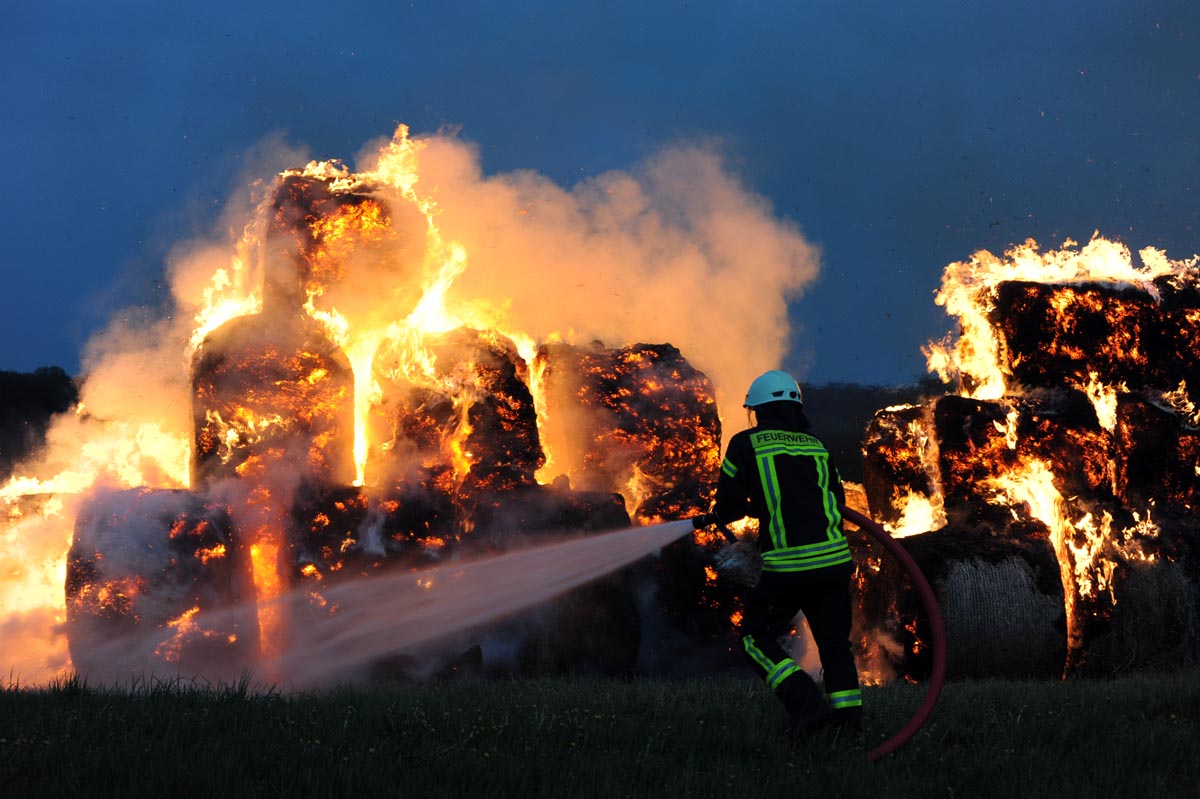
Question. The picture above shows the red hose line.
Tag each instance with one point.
(937, 632)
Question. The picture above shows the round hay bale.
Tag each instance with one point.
(999, 623)
(1152, 626)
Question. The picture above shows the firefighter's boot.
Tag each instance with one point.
(845, 725)
(805, 703)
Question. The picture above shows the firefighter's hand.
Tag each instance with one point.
(706, 520)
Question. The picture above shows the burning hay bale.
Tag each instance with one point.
(153, 578)
(466, 416)
(639, 420)
(332, 235)
(1088, 456)
(1157, 452)
(642, 422)
(1057, 334)
(894, 475)
(269, 392)
(952, 448)
(1014, 473)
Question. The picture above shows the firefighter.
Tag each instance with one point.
(778, 472)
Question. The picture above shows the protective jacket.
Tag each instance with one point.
(787, 480)
(781, 474)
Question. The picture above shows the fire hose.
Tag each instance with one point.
(937, 632)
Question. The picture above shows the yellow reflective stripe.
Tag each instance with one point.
(781, 672)
(810, 566)
(809, 550)
(775, 672)
(766, 446)
(809, 556)
(729, 468)
(833, 516)
(851, 698)
(757, 654)
(787, 449)
(770, 486)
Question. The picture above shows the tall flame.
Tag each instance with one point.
(968, 291)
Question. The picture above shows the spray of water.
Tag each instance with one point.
(406, 611)
(403, 611)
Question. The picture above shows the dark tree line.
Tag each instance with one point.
(840, 413)
(27, 403)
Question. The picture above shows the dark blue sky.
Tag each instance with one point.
(897, 136)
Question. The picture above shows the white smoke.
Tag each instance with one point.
(676, 250)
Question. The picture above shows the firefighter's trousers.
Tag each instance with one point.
(825, 602)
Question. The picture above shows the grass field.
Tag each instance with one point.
(577, 738)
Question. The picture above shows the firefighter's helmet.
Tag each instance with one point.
(773, 386)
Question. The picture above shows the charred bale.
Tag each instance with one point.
(1157, 454)
(329, 237)
(500, 519)
(270, 395)
(468, 419)
(896, 454)
(327, 525)
(594, 630)
(639, 421)
(1062, 334)
(154, 583)
(1150, 624)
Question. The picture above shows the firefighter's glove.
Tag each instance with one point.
(740, 563)
(707, 520)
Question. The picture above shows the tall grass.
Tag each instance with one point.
(579, 738)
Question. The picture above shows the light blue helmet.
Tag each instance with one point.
(773, 386)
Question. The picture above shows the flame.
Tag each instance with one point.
(269, 586)
(537, 388)
(1179, 402)
(918, 514)
(183, 626)
(1086, 549)
(968, 292)
(210, 553)
(637, 489)
(38, 516)
(1104, 400)
(1032, 485)
(918, 511)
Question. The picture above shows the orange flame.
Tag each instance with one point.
(969, 291)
